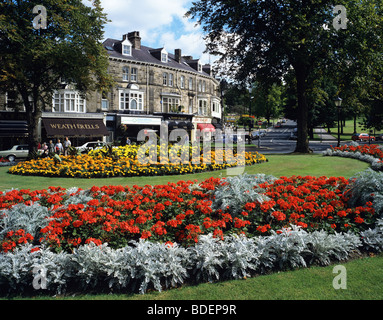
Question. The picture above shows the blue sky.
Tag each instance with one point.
(161, 23)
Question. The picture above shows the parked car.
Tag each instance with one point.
(16, 152)
(363, 137)
(379, 137)
(91, 146)
(278, 125)
(355, 136)
(255, 135)
(234, 138)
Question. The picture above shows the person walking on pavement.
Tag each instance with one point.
(51, 147)
(66, 146)
(58, 147)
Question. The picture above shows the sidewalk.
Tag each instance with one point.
(322, 133)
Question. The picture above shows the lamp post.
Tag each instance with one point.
(338, 104)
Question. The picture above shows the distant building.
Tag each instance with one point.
(152, 87)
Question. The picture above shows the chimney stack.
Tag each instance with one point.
(134, 38)
(177, 55)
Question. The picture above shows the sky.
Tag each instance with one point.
(161, 23)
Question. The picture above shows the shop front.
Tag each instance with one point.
(204, 125)
(128, 126)
(78, 129)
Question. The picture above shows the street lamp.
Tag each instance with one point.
(338, 104)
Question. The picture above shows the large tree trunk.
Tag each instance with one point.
(302, 116)
(33, 116)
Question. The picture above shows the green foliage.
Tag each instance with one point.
(34, 62)
(72, 151)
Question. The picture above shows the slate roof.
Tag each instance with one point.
(144, 55)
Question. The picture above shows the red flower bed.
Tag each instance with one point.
(372, 150)
(179, 212)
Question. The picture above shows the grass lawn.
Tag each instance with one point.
(278, 165)
(348, 130)
(364, 282)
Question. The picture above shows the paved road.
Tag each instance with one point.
(277, 140)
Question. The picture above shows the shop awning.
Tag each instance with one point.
(75, 127)
(13, 129)
(206, 127)
(187, 125)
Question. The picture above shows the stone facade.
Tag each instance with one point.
(151, 86)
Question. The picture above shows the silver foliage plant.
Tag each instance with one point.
(373, 238)
(239, 190)
(31, 218)
(375, 163)
(144, 264)
(367, 186)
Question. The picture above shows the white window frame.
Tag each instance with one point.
(165, 78)
(129, 98)
(202, 107)
(199, 66)
(191, 105)
(125, 73)
(164, 56)
(104, 104)
(182, 82)
(133, 74)
(68, 101)
(126, 48)
(171, 77)
(190, 83)
(168, 103)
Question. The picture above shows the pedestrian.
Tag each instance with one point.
(51, 147)
(128, 142)
(45, 150)
(66, 145)
(58, 147)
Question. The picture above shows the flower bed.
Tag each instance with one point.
(5, 162)
(182, 212)
(158, 236)
(372, 154)
(123, 162)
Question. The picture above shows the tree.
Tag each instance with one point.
(266, 39)
(268, 100)
(35, 58)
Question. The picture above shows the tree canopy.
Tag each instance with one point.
(266, 40)
(35, 58)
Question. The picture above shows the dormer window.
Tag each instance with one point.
(164, 56)
(199, 66)
(126, 48)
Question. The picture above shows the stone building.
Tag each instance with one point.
(153, 86)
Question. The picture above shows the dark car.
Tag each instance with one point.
(379, 137)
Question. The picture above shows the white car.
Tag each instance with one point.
(91, 146)
(16, 152)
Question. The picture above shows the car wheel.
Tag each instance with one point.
(11, 158)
